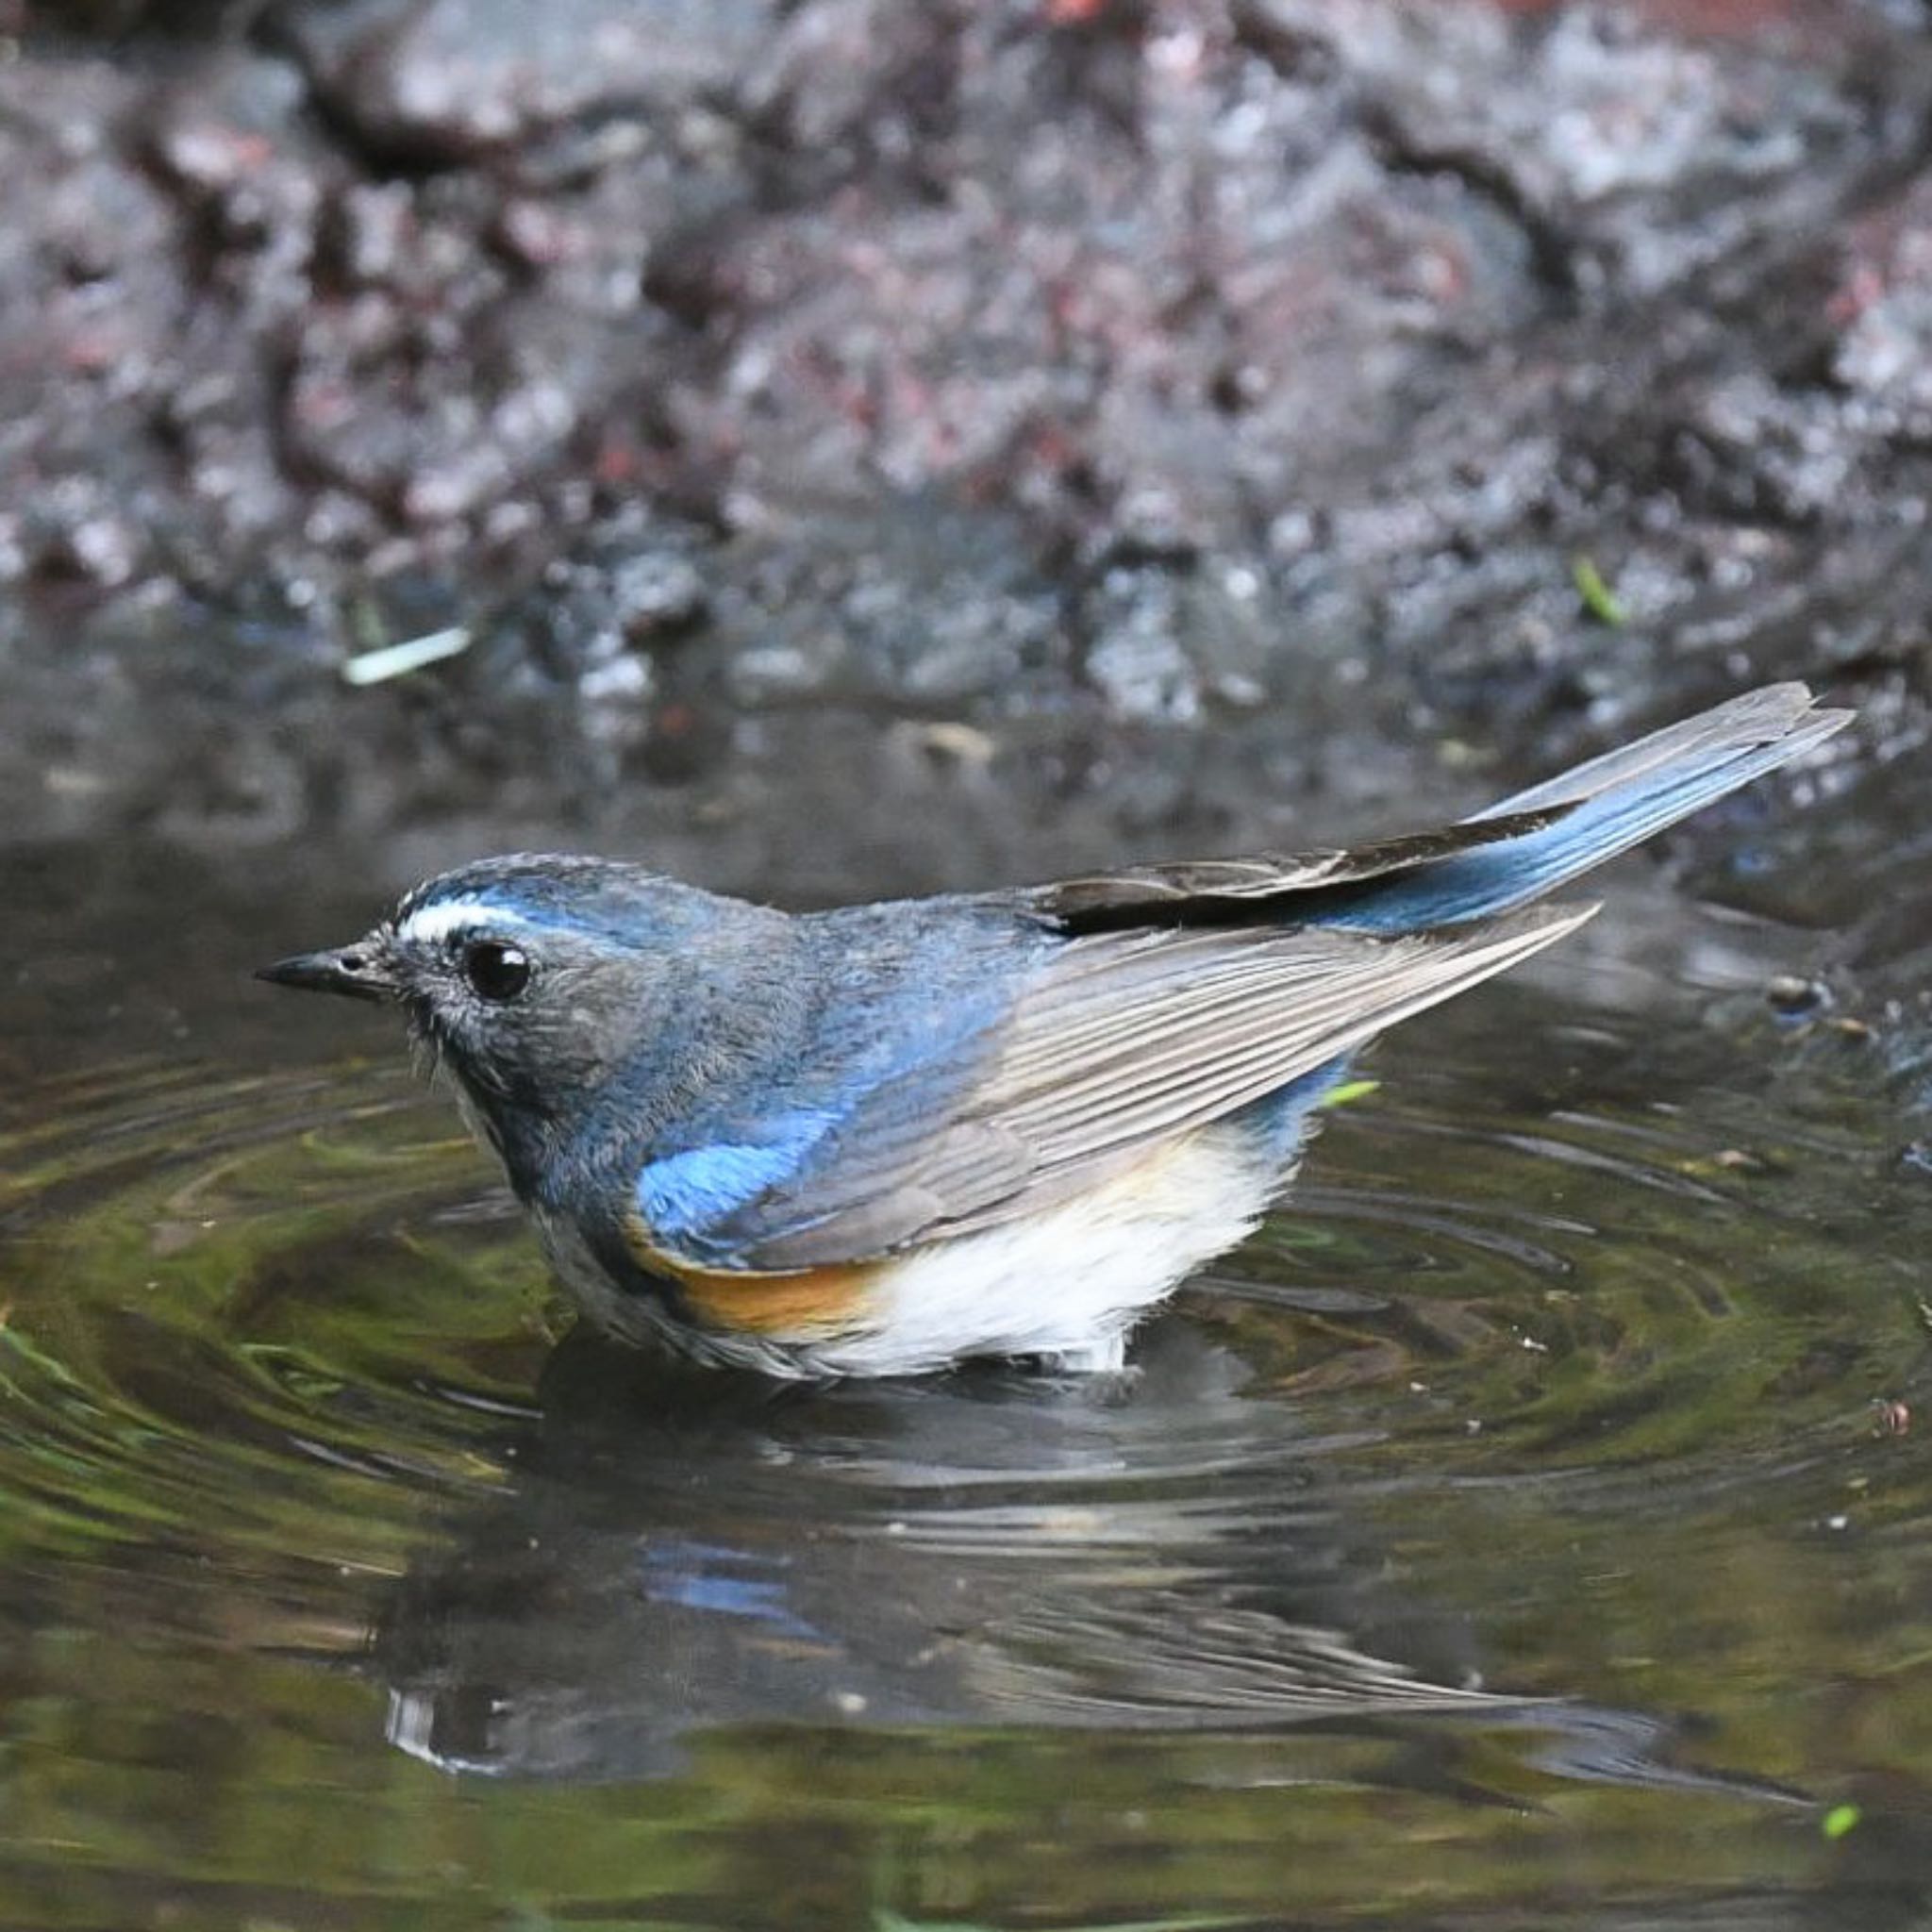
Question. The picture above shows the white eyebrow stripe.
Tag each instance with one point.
(430, 923)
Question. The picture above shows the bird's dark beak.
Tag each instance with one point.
(363, 971)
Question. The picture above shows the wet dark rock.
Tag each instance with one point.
(658, 594)
(1880, 312)
(432, 85)
(117, 20)
(1187, 402)
(1630, 158)
(916, 605)
(1165, 643)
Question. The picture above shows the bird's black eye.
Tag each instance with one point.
(495, 971)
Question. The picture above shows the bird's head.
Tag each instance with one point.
(534, 980)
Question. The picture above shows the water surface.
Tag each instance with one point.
(1529, 1528)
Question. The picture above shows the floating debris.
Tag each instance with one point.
(1792, 995)
(398, 660)
(1348, 1091)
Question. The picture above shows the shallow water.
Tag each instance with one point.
(1511, 1535)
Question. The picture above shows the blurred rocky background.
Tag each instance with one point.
(851, 442)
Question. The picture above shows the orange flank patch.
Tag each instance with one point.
(820, 1301)
(812, 1302)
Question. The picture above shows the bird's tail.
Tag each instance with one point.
(1577, 821)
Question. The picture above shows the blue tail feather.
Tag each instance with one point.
(1606, 806)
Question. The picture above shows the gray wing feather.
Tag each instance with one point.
(1125, 1039)
(1182, 1031)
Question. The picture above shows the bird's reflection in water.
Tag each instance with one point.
(683, 1552)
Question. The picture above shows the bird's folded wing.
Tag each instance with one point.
(1142, 892)
(1120, 1042)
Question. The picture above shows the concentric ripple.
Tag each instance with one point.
(1450, 1487)
(1653, 1254)
(238, 1304)
(252, 1314)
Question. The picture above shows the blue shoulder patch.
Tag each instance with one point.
(683, 1194)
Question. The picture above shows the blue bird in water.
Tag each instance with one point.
(883, 1139)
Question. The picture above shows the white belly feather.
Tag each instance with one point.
(1066, 1284)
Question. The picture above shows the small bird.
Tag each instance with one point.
(884, 1138)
